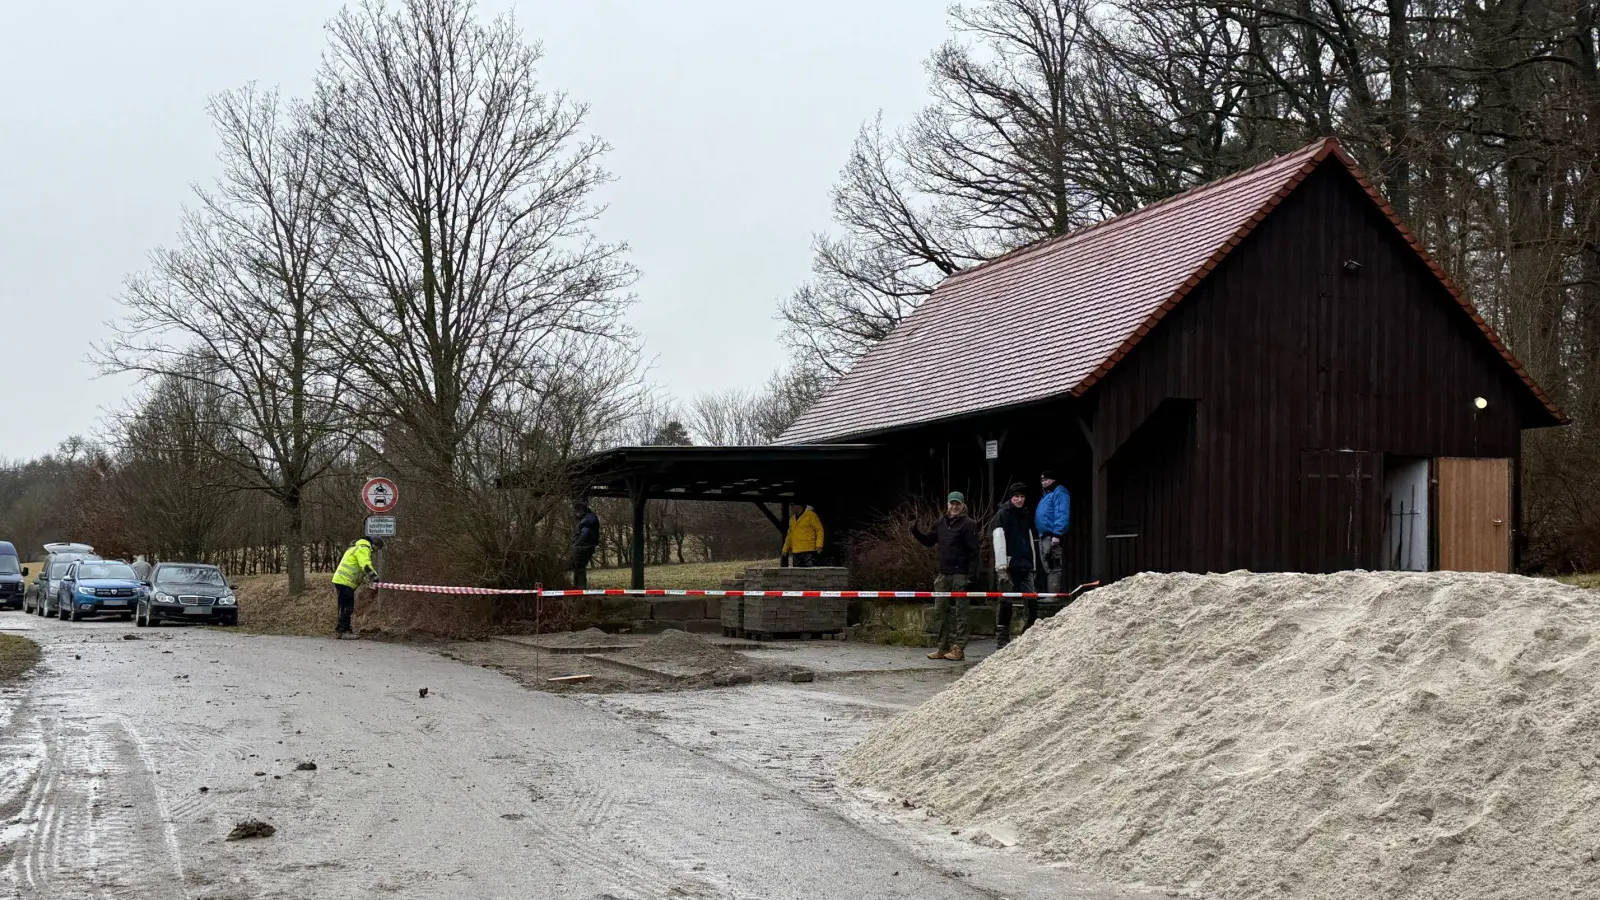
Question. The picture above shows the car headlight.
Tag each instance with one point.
(227, 600)
(165, 598)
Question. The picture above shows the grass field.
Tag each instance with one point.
(1591, 580)
(17, 655)
(677, 576)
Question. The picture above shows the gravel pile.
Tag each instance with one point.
(1432, 736)
(696, 661)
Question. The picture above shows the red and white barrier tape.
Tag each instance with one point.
(660, 592)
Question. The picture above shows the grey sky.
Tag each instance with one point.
(730, 120)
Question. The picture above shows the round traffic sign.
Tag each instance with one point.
(380, 495)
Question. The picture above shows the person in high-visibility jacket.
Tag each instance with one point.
(355, 567)
(803, 542)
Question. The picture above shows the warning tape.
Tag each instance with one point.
(664, 592)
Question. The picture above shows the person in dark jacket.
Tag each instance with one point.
(1014, 550)
(1050, 520)
(584, 542)
(956, 537)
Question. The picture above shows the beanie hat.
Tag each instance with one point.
(1016, 488)
(1050, 474)
(957, 497)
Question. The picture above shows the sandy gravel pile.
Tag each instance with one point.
(698, 662)
(1432, 736)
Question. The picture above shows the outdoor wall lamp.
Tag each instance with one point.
(1352, 266)
(1480, 403)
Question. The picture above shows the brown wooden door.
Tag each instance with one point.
(1474, 515)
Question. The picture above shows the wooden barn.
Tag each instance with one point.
(1267, 372)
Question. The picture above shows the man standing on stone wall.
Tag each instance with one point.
(956, 537)
(1050, 520)
(1014, 550)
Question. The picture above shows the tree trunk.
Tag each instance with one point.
(295, 543)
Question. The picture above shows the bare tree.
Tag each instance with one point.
(462, 195)
(237, 309)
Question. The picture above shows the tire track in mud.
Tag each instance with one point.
(87, 820)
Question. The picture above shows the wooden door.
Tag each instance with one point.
(1339, 524)
(1474, 515)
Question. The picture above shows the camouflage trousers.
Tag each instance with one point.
(952, 612)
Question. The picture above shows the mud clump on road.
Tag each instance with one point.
(1420, 735)
(251, 828)
(307, 766)
(18, 655)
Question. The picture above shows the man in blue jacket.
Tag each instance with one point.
(1050, 521)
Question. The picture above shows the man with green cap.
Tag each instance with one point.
(956, 537)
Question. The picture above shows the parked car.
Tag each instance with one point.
(12, 577)
(47, 587)
(187, 592)
(95, 587)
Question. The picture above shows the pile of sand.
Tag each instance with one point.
(696, 661)
(1359, 735)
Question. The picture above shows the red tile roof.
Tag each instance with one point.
(1110, 283)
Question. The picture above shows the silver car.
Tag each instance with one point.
(47, 587)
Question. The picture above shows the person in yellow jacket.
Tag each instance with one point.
(355, 567)
(803, 543)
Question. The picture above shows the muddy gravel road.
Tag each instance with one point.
(127, 763)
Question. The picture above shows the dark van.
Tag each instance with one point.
(11, 577)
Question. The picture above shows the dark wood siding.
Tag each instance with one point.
(1302, 375)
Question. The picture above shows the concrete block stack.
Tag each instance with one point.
(789, 615)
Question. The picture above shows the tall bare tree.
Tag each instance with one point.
(463, 199)
(238, 308)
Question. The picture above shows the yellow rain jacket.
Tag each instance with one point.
(356, 565)
(805, 533)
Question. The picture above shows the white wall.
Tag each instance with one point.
(1406, 489)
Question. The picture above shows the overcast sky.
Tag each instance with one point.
(730, 120)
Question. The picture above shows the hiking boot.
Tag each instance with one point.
(1002, 636)
(955, 655)
(937, 654)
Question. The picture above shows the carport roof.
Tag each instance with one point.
(775, 472)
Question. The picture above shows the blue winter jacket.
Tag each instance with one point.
(1054, 512)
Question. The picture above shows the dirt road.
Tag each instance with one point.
(127, 762)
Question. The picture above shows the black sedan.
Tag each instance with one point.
(186, 592)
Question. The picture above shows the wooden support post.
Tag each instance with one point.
(637, 488)
(786, 513)
(1097, 504)
(776, 522)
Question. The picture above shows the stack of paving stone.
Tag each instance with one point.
(788, 615)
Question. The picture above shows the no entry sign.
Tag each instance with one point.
(380, 495)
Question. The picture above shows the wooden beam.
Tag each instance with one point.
(1098, 501)
(771, 517)
(637, 488)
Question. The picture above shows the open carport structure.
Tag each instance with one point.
(777, 474)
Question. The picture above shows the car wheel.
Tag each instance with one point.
(140, 617)
(76, 616)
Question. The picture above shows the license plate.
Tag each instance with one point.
(196, 610)
(113, 603)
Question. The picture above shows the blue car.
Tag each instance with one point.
(95, 587)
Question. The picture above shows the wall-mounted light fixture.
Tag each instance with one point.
(1352, 266)
(1480, 403)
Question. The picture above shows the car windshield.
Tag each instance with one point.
(87, 571)
(189, 575)
(8, 565)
